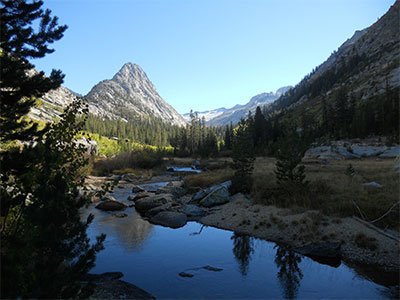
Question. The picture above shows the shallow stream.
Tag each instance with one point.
(152, 257)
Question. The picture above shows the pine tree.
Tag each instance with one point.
(20, 86)
(243, 158)
(44, 247)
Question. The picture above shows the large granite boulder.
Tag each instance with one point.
(147, 203)
(169, 219)
(111, 205)
(217, 197)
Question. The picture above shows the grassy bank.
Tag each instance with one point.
(335, 192)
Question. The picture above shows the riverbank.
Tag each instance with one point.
(358, 243)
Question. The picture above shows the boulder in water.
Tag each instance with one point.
(169, 219)
(110, 205)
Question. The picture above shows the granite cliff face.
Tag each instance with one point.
(130, 94)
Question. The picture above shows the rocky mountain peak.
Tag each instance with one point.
(128, 94)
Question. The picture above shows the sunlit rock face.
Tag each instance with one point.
(130, 93)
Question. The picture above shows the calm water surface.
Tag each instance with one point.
(152, 256)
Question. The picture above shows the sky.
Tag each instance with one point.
(203, 54)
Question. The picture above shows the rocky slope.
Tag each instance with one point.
(52, 104)
(129, 94)
(224, 116)
(365, 65)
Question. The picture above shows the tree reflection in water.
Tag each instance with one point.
(289, 273)
(242, 249)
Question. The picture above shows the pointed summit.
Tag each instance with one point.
(128, 94)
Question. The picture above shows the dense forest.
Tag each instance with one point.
(195, 138)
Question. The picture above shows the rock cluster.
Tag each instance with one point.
(171, 206)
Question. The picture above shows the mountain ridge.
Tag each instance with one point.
(224, 116)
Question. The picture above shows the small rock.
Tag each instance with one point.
(110, 205)
(131, 197)
(184, 274)
(210, 268)
(141, 195)
(170, 169)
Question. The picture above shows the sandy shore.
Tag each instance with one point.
(299, 229)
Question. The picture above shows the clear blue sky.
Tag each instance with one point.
(203, 54)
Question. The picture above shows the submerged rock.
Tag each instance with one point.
(184, 274)
(169, 219)
(217, 197)
(210, 268)
(111, 205)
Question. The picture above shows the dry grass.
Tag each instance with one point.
(208, 179)
(333, 192)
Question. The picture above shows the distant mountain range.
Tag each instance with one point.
(365, 65)
(223, 116)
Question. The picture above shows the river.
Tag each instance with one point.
(152, 257)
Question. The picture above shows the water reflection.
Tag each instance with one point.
(242, 249)
(289, 274)
(130, 231)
